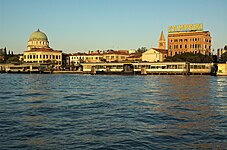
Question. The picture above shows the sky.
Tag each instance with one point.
(83, 25)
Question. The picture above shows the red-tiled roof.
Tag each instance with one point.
(135, 55)
(164, 51)
(117, 52)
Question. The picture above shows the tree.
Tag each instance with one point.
(225, 48)
(5, 52)
(12, 59)
(224, 57)
(190, 57)
(142, 49)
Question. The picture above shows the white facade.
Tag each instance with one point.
(154, 55)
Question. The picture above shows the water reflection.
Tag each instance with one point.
(186, 109)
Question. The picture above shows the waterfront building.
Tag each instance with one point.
(113, 56)
(135, 57)
(40, 52)
(154, 55)
(77, 58)
(131, 51)
(222, 69)
(188, 38)
(221, 51)
(95, 57)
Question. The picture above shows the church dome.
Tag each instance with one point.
(38, 35)
(38, 39)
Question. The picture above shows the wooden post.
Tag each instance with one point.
(143, 70)
(93, 70)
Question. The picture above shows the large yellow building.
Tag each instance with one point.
(40, 52)
(188, 38)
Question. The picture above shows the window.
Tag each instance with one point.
(185, 46)
(33, 56)
(43, 56)
(40, 56)
(180, 46)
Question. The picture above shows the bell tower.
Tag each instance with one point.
(162, 41)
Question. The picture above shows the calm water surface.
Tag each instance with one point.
(112, 112)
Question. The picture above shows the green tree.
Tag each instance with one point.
(12, 59)
(5, 52)
(142, 49)
(224, 57)
(190, 57)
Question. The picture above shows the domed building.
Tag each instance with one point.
(38, 39)
(40, 52)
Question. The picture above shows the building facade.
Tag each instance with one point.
(40, 52)
(154, 55)
(77, 58)
(189, 38)
(43, 55)
(221, 51)
(114, 56)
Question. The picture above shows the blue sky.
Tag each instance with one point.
(82, 25)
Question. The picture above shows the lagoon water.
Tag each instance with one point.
(48, 111)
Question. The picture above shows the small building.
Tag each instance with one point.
(154, 55)
(135, 57)
(222, 69)
(221, 51)
(118, 56)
